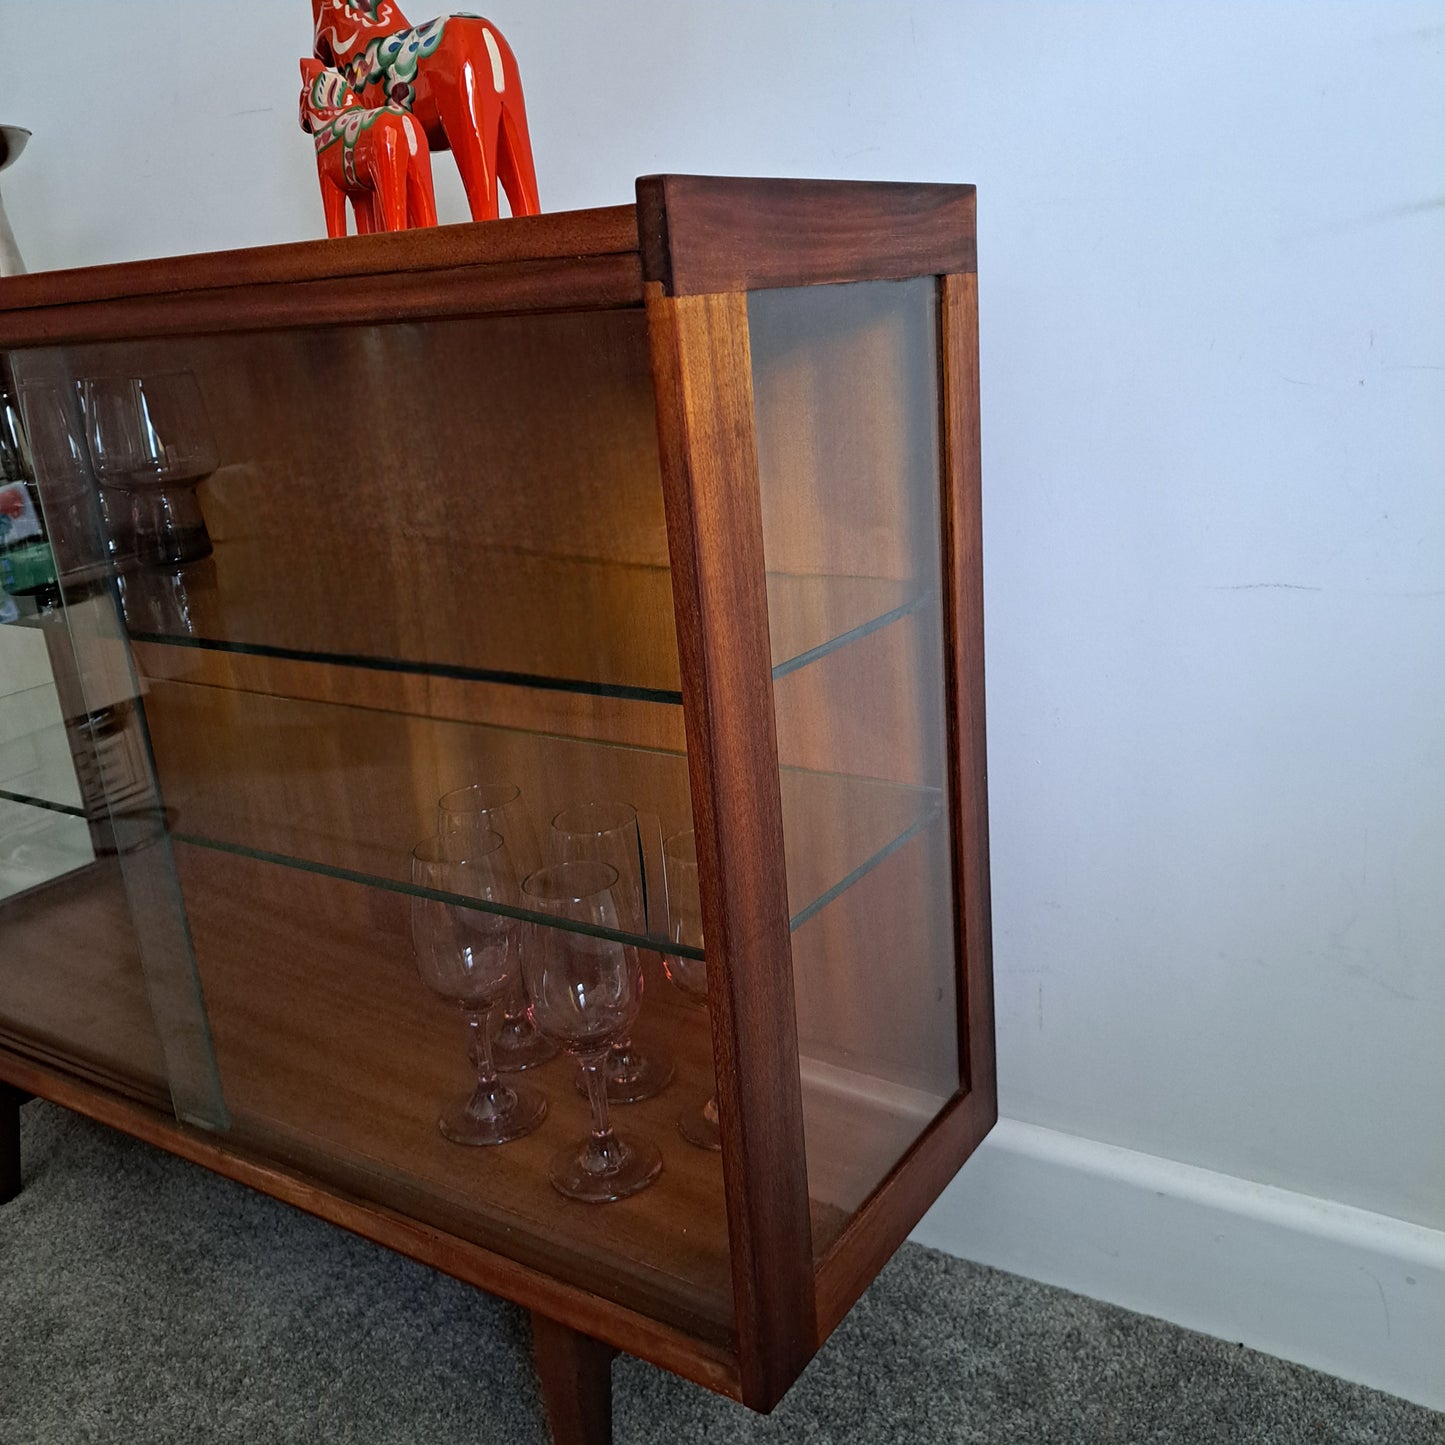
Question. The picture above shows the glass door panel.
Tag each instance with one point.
(95, 972)
(437, 559)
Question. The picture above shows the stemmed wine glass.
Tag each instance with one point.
(470, 956)
(698, 1124)
(150, 441)
(40, 506)
(585, 989)
(608, 833)
(468, 813)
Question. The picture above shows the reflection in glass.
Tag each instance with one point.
(470, 957)
(32, 451)
(697, 1124)
(164, 602)
(608, 833)
(469, 813)
(150, 440)
(585, 992)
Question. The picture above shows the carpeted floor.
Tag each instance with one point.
(143, 1300)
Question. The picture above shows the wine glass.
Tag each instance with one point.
(45, 451)
(150, 440)
(468, 813)
(470, 956)
(698, 1124)
(608, 833)
(584, 990)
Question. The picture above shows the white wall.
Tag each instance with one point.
(1212, 255)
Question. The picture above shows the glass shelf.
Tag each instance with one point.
(572, 624)
(393, 884)
(869, 820)
(347, 791)
(39, 841)
(36, 767)
(68, 810)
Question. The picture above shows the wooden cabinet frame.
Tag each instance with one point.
(688, 252)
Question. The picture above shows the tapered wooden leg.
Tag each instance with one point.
(10, 1101)
(575, 1373)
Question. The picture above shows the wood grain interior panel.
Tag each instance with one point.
(71, 987)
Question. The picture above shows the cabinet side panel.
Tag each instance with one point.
(850, 467)
(886, 1219)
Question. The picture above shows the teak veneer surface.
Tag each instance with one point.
(558, 235)
(703, 234)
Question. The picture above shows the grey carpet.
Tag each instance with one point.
(144, 1300)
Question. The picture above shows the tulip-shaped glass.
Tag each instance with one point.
(608, 833)
(470, 957)
(150, 441)
(585, 990)
(470, 812)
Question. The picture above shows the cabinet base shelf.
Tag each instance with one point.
(611, 1324)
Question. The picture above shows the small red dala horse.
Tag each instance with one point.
(456, 75)
(377, 159)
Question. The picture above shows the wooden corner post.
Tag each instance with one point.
(968, 769)
(703, 380)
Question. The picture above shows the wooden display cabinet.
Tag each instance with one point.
(674, 503)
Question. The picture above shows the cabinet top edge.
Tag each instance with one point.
(687, 234)
(553, 236)
(702, 234)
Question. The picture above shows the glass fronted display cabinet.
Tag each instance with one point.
(521, 692)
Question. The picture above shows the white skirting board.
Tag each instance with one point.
(1356, 1294)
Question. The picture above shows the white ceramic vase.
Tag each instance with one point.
(12, 142)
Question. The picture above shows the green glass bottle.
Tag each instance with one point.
(27, 562)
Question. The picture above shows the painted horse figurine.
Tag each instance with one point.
(456, 75)
(377, 158)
